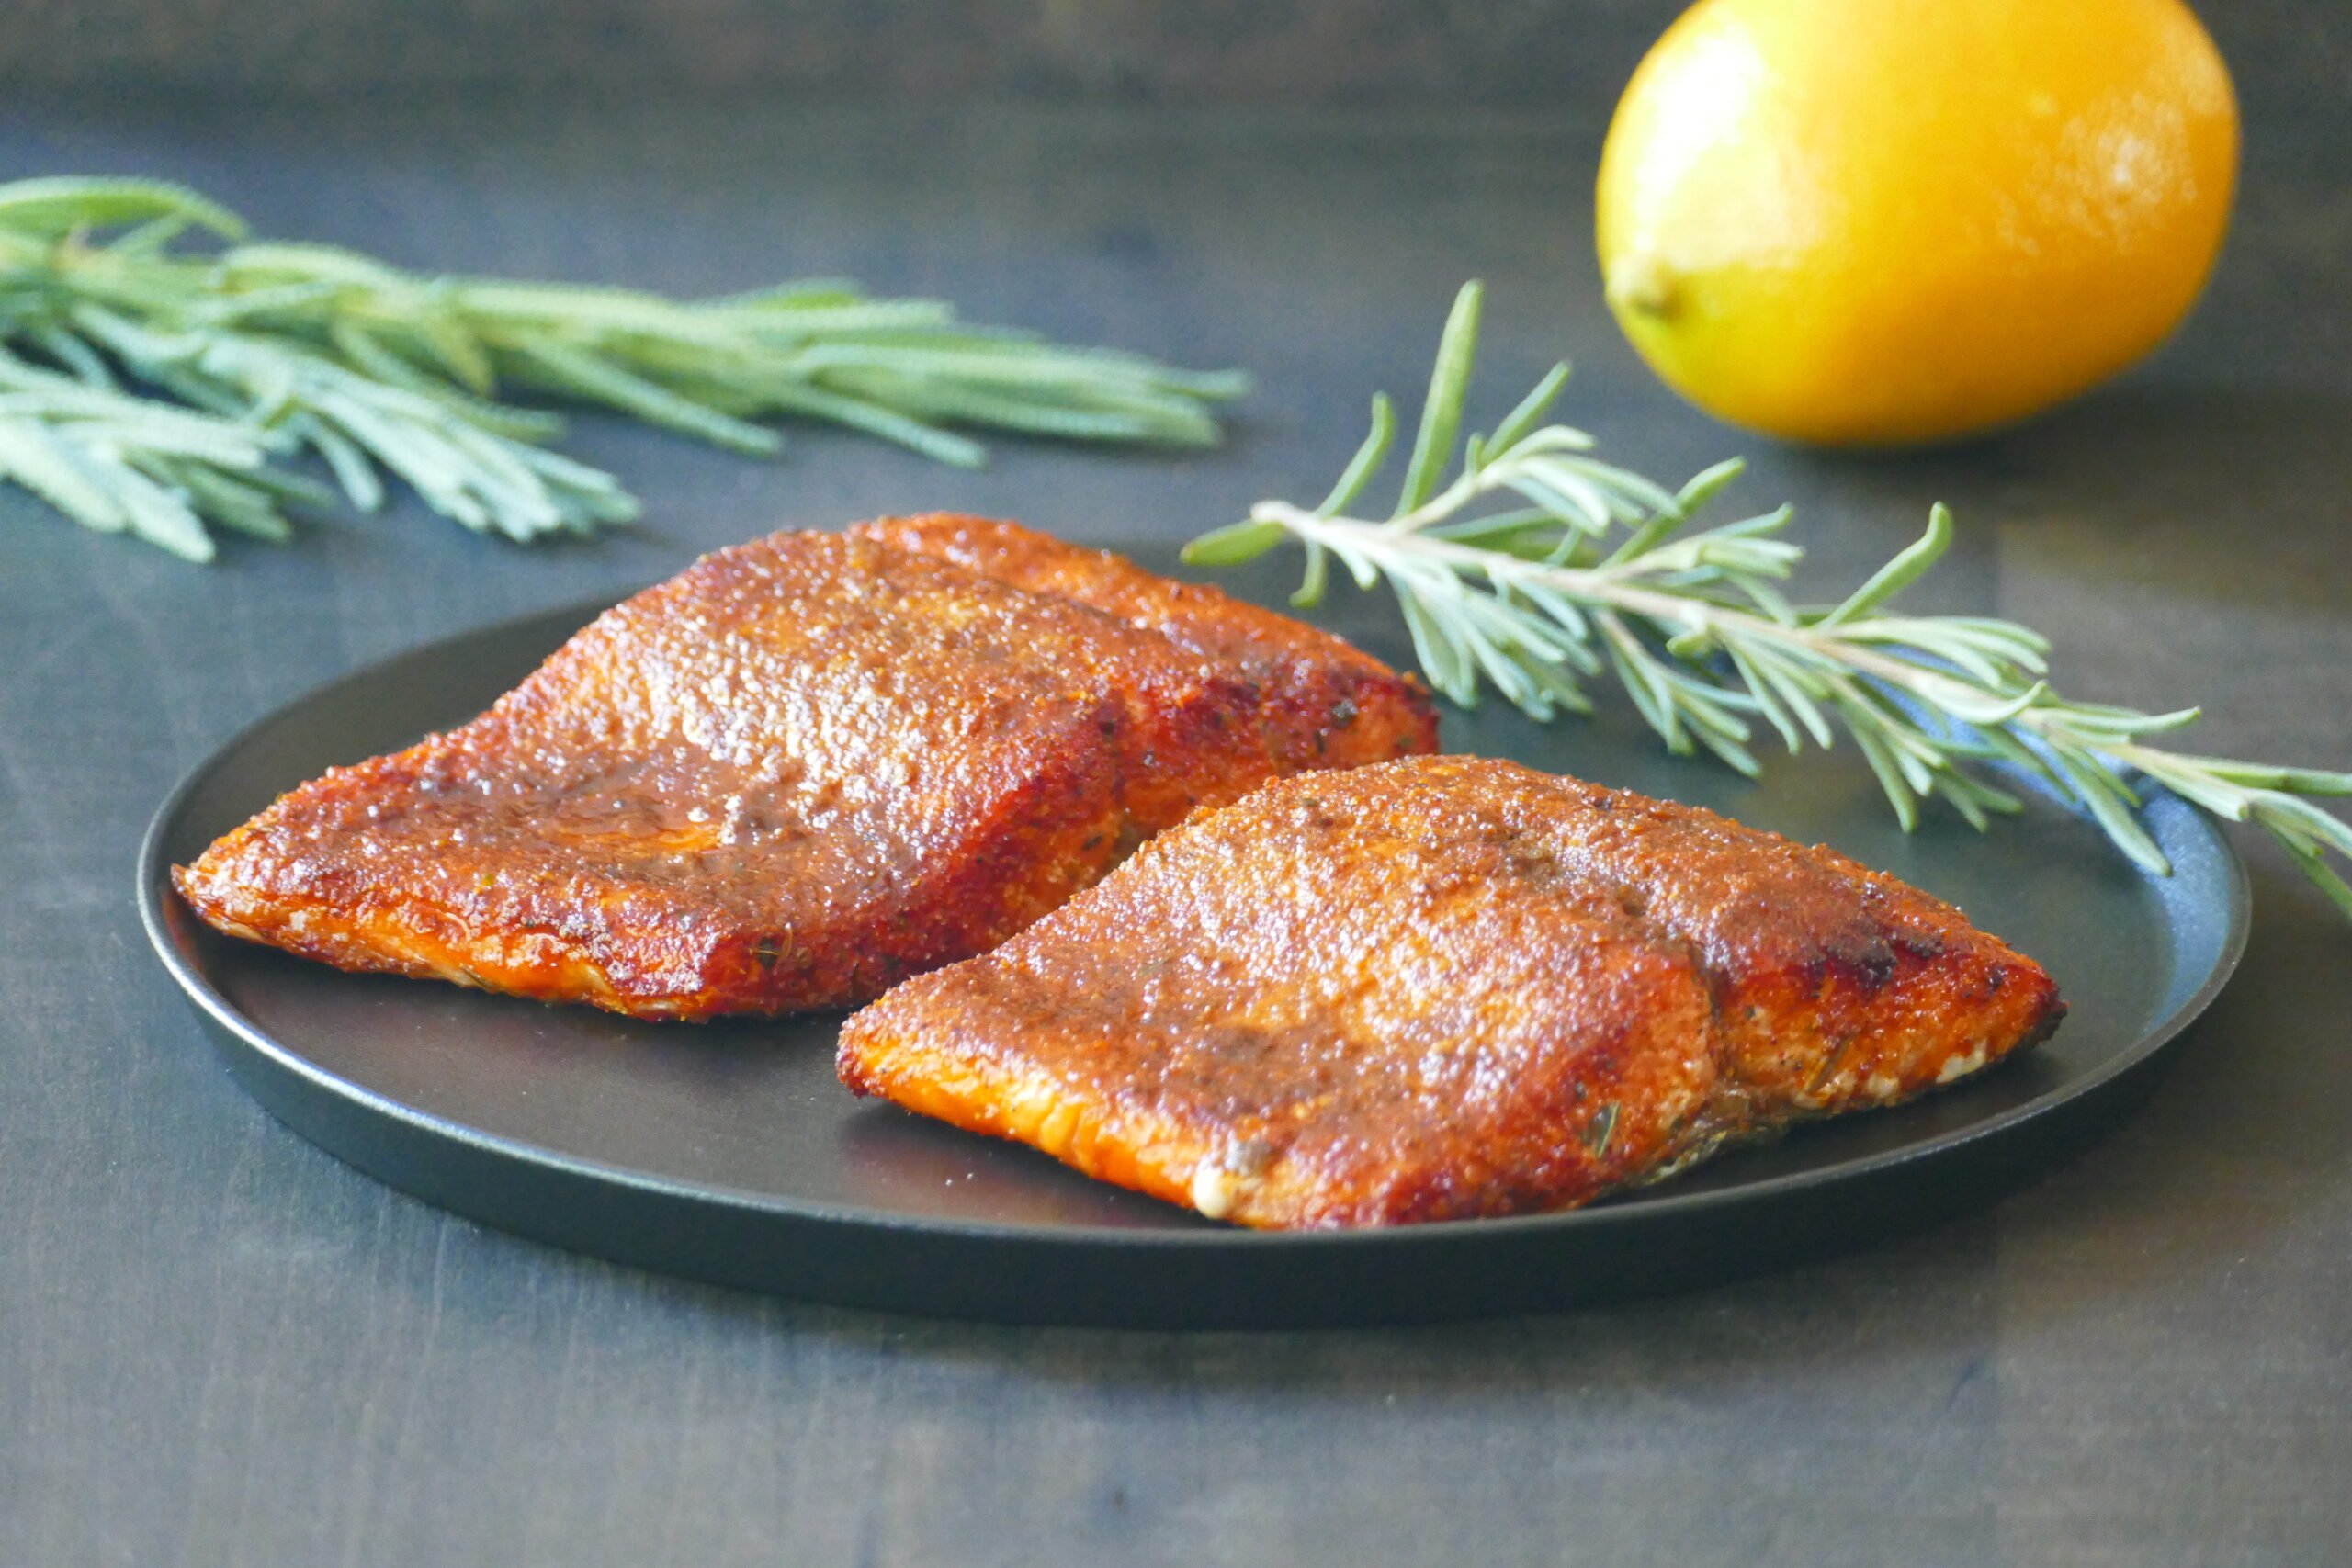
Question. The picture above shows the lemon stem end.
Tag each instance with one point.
(1642, 283)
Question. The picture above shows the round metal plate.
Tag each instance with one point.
(728, 1152)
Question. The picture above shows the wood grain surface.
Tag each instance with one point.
(218, 1347)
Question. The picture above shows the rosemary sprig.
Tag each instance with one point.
(291, 348)
(1537, 568)
(128, 465)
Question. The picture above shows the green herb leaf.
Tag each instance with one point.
(1536, 564)
(379, 371)
(1457, 351)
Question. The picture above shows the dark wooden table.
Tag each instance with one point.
(220, 1347)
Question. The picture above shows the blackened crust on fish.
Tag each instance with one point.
(789, 777)
(1446, 987)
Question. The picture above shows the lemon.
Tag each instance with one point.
(1877, 221)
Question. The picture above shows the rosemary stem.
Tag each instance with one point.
(379, 371)
(1617, 588)
(1539, 567)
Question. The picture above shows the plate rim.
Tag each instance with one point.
(154, 892)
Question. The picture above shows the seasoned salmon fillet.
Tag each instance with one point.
(792, 775)
(1443, 987)
(1322, 702)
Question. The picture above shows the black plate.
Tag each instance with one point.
(728, 1151)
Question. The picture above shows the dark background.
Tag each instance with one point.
(2291, 56)
(218, 1347)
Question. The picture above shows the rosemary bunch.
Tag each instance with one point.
(274, 350)
(1536, 568)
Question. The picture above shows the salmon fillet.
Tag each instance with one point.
(1322, 702)
(1444, 988)
(792, 775)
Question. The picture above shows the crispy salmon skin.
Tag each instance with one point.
(800, 771)
(1445, 988)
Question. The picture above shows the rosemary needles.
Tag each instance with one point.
(1537, 568)
(158, 389)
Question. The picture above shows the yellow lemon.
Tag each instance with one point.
(1873, 221)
